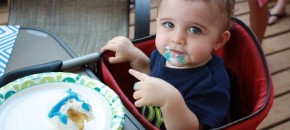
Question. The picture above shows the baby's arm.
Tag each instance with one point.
(152, 91)
(177, 116)
(127, 52)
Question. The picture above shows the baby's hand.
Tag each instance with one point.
(150, 91)
(123, 48)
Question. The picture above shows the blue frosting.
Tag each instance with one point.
(170, 57)
(167, 55)
(63, 117)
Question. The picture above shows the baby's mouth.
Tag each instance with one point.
(174, 57)
(176, 52)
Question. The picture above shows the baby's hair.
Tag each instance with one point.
(222, 9)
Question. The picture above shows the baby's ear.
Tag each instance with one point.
(222, 40)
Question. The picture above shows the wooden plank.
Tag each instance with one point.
(153, 27)
(281, 83)
(154, 3)
(282, 25)
(279, 112)
(284, 126)
(241, 8)
(276, 44)
(279, 62)
(245, 18)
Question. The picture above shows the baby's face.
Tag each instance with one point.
(187, 32)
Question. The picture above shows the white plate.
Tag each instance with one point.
(24, 102)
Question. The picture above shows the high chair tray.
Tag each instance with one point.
(35, 46)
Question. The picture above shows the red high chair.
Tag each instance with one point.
(252, 86)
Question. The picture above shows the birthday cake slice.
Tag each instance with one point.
(70, 111)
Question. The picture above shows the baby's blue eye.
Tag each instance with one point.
(194, 29)
(168, 25)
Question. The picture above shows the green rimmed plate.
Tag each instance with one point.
(24, 102)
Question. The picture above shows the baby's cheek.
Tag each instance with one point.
(200, 53)
(162, 36)
(161, 43)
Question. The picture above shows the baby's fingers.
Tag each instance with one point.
(137, 95)
(139, 103)
(140, 76)
(114, 60)
(108, 46)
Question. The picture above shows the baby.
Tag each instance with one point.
(183, 85)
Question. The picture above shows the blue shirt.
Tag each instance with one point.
(205, 89)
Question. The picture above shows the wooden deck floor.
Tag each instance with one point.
(276, 46)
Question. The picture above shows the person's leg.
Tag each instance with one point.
(279, 10)
(258, 18)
